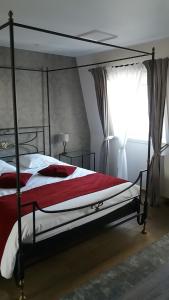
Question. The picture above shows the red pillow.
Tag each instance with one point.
(57, 171)
(8, 180)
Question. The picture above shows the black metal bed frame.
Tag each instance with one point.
(126, 210)
(29, 135)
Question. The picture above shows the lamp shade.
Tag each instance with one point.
(62, 137)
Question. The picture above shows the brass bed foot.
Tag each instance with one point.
(144, 229)
(21, 288)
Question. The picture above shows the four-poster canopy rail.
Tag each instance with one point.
(11, 25)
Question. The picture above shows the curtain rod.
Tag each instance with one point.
(95, 64)
(126, 65)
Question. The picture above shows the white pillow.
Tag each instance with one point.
(6, 168)
(37, 160)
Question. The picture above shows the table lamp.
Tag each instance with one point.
(62, 138)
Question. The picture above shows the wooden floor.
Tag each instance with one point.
(58, 275)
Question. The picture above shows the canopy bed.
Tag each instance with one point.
(105, 199)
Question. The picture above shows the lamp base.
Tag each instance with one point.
(64, 148)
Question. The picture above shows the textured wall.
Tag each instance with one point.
(68, 112)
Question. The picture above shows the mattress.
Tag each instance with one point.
(45, 221)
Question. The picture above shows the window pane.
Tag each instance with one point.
(128, 102)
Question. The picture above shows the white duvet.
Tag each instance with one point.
(45, 221)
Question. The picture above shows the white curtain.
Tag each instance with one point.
(125, 85)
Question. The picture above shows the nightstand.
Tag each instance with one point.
(81, 158)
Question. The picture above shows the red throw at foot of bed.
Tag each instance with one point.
(48, 195)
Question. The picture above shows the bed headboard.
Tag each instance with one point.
(31, 140)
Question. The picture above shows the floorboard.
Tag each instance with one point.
(62, 273)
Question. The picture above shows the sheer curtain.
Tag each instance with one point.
(125, 85)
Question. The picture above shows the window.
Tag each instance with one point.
(128, 101)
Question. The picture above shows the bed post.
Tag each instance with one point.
(145, 211)
(48, 100)
(18, 193)
(43, 112)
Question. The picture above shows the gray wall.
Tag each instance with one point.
(68, 112)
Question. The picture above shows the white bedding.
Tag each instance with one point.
(45, 221)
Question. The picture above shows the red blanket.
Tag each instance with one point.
(48, 195)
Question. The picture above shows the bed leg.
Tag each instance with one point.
(144, 228)
(21, 288)
(144, 216)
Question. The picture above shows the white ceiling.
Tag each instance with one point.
(133, 21)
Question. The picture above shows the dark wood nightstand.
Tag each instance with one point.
(81, 158)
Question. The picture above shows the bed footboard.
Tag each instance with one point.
(131, 208)
(61, 242)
